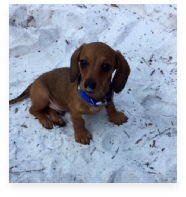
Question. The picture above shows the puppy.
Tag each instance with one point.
(84, 88)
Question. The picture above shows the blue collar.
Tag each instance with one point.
(91, 101)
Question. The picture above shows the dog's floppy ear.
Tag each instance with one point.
(74, 68)
(122, 73)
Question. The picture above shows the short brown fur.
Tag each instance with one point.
(57, 90)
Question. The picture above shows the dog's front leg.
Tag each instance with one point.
(81, 133)
(115, 116)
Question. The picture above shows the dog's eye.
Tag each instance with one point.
(106, 67)
(83, 63)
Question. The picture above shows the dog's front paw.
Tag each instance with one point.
(118, 118)
(83, 137)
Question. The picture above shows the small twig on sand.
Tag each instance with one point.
(28, 171)
(115, 153)
(145, 61)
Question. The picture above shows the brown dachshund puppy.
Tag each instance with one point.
(84, 88)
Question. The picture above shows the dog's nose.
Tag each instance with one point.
(90, 85)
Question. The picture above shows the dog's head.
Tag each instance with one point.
(95, 63)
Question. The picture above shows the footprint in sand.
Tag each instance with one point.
(113, 141)
(155, 105)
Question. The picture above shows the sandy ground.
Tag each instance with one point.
(43, 37)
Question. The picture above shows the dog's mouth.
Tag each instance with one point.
(89, 90)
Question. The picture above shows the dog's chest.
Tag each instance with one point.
(93, 109)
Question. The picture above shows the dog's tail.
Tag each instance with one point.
(22, 96)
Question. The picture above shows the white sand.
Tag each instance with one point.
(142, 150)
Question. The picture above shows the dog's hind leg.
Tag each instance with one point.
(39, 95)
(56, 118)
(41, 116)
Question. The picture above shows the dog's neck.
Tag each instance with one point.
(92, 101)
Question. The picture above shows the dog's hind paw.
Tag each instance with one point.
(48, 124)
